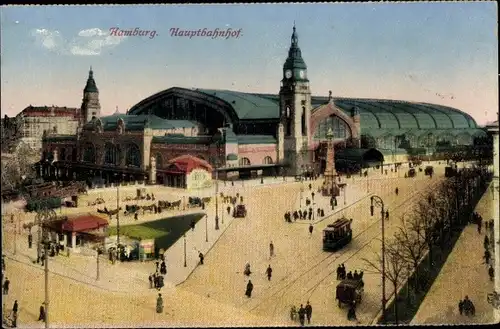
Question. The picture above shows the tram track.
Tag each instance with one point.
(280, 293)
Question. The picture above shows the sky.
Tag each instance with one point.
(440, 53)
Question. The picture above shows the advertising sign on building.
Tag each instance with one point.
(146, 247)
(198, 178)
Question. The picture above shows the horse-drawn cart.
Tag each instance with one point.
(349, 291)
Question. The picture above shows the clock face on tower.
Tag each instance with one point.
(288, 74)
(302, 74)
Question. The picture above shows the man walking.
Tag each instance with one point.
(491, 273)
(151, 281)
(6, 284)
(201, 258)
(41, 317)
(14, 314)
(271, 249)
(248, 292)
(487, 256)
(302, 315)
(309, 311)
(311, 228)
(269, 272)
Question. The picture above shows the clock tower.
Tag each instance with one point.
(295, 110)
(91, 108)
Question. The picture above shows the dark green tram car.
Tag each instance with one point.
(337, 235)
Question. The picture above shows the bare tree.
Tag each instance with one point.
(423, 223)
(412, 244)
(18, 166)
(395, 268)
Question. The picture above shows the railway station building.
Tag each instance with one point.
(239, 134)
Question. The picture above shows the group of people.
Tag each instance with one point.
(303, 214)
(156, 279)
(487, 256)
(342, 274)
(466, 307)
(303, 313)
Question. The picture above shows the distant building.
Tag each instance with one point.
(243, 134)
(29, 126)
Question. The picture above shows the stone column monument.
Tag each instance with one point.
(330, 187)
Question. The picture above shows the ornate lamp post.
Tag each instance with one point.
(377, 201)
(185, 260)
(43, 217)
(216, 199)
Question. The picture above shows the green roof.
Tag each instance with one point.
(247, 106)
(91, 87)
(255, 139)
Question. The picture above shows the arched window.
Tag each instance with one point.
(133, 156)
(159, 160)
(89, 153)
(268, 160)
(111, 154)
(244, 162)
(339, 128)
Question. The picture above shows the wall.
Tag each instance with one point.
(257, 152)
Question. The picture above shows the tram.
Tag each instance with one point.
(337, 235)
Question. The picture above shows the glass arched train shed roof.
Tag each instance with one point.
(374, 113)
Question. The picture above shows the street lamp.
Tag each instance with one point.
(377, 201)
(216, 199)
(206, 228)
(185, 260)
(43, 217)
(99, 251)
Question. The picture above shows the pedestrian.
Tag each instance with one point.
(461, 307)
(30, 241)
(487, 256)
(397, 190)
(269, 272)
(312, 196)
(151, 281)
(387, 214)
(355, 275)
(248, 292)
(310, 187)
(486, 242)
(157, 266)
(344, 271)
(14, 314)
(339, 272)
(163, 268)
(3, 263)
(201, 258)
(302, 315)
(349, 276)
(479, 224)
(159, 304)
(271, 249)
(309, 311)
(311, 227)
(6, 284)
(193, 223)
(41, 317)
(228, 210)
(351, 314)
(491, 273)
(42, 258)
(136, 216)
(15, 308)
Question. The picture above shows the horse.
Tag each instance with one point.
(176, 204)
(150, 208)
(206, 199)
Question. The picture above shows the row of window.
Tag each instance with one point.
(428, 140)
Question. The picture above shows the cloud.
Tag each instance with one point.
(89, 42)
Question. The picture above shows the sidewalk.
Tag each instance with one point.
(464, 273)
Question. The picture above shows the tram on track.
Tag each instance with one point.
(337, 235)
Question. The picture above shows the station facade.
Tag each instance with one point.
(239, 133)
